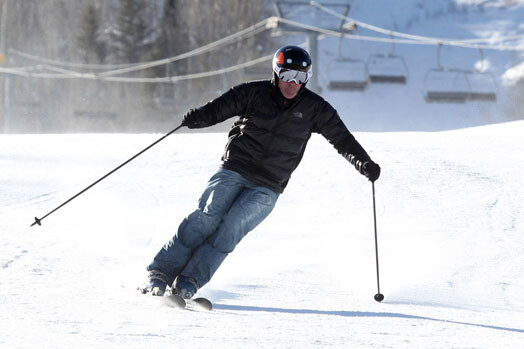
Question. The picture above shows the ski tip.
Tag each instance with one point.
(175, 301)
(204, 303)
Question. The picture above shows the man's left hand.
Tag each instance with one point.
(371, 170)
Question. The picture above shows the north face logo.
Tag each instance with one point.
(297, 114)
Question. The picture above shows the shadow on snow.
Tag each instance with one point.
(356, 314)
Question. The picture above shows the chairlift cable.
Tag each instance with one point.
(169, 79)
(67, 64)
(254, 29)
(124, 68)
(261, 26)
(468, 43)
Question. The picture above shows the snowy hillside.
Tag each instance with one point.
(450, 221)
(450, 211)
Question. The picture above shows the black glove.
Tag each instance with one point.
(193, 119)
(371, 170)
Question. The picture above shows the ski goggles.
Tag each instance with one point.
(288, 75)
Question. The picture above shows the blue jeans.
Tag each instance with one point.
(230, 207)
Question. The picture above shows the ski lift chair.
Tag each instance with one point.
(444, 85)
(347, 74)
(483, 86)
(387, 68)
(482, 83)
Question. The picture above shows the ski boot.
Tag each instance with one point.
(185, 287)
(156, 285)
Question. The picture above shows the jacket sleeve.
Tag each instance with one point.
(230, 104)
(333, 129)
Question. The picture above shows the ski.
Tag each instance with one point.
(176, 301)
(200, 303)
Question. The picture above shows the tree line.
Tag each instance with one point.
(115, 32)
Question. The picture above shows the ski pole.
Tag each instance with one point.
(379, 297)
(39, 220)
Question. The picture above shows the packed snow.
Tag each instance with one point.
(450, 220)
(451, 248)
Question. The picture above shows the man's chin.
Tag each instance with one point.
(289, 96)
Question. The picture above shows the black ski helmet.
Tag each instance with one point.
(292, 58)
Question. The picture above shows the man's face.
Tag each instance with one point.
(289, 89)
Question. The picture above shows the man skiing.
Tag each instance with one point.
(266, 143)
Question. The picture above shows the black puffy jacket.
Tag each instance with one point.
(268, 140)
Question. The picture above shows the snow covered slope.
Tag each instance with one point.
(450, 219)
(450, 207)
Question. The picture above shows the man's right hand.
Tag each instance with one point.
(193, 119)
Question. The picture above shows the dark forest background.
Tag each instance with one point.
(112, 33)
